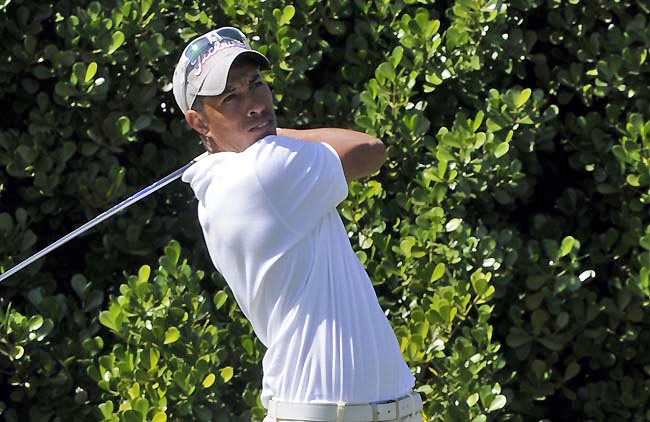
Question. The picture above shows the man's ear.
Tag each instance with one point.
(197, 122)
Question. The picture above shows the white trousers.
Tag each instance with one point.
(410, 418)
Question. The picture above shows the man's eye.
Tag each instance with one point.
(229, 98)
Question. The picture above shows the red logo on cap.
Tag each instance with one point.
(217, 44)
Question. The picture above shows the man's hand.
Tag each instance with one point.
(360, 154)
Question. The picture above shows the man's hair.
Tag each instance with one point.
(198, 104)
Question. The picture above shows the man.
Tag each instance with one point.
(267, 207)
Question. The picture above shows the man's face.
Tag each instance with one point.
(241, 115)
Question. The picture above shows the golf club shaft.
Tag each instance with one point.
(103, 216)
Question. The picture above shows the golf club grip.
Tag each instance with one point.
(101, 217)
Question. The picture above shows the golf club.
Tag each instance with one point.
(103, 216)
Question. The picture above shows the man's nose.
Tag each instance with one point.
(255, 106)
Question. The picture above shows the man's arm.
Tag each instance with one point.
(360, 154)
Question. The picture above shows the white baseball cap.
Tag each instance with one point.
(204, 65)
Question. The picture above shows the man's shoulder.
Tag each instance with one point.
(272, 150)
(287, 148)
(275, 141)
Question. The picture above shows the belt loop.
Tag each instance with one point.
(340, 411)
(412, 403)
(375, 412)
(273, 409)
(397, 410)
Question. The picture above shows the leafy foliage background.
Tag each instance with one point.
(508, 236)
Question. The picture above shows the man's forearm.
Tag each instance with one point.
(327, 134)
(361, 154)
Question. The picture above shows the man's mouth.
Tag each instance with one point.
(261, 126)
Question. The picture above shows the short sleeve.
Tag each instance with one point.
(303, 181)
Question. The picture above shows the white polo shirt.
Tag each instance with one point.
(272, 230)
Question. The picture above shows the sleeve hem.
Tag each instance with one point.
(341, 172)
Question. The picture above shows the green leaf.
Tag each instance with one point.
(91, 71)
(571, 371)
(385, 72)
(453, 224)
(423, 20)
(144, 273)
(396, 56)
(227, 373)
(93, 300)
(567, 245)
(492, 125)
(438, 272)
(633, 180)
(124, 125)
(433, 78)
(534, 282)
(142, 122)
(6, 222)
(172, 335)
(94, 9)
(444, 155)
(134, 391)
(167, 265)
(141, 405)
(26, 153)
(146, 5)
(68, 150)
(480, 285)
(113, 318)
(107, 362)
(523, 97)
(209, 380)
(220, 299)
(472, 400)
(118, 39)
(478, 120)
(501, 149)
(497, 403)
(18, 352)
(132, 416)
(248, 346)
(173, 251)
(517, 338)
(448, 313)
(552, 343)
(159, 417)
(107, 409)
(644, 241)
(35, 322)
(78, 72)
(287, 14)
(406, 245)
(42, 72)
(154, 357)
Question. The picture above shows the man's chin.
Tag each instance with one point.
(272, 130)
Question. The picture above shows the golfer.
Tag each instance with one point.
(267, 206)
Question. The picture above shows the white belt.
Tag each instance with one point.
(344, 412)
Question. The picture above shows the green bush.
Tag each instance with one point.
(507, 236)
(171, 361)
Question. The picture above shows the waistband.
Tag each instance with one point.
(344, 412)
